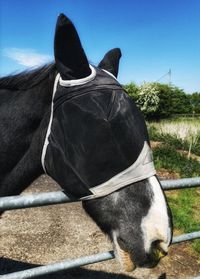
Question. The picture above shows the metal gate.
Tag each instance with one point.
(17, 202)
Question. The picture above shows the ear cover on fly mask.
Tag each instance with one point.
(110, 62)
(70, 57)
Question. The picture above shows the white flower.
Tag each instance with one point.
(148, 100)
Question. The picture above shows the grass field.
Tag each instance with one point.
(183, 128)
(178, 151)
(181, 133)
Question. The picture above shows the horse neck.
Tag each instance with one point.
(22, 113)
(31, 103)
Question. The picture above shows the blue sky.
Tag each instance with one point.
(154, 36)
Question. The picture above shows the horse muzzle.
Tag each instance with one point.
(150, 260)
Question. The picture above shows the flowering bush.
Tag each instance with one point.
(148, 98)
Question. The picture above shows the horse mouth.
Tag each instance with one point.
(124, 258)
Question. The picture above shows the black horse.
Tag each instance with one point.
(92, 140)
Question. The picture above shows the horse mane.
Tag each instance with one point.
(27, 79)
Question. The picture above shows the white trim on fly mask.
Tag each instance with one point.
(109, 73)
(65, 83)
(143, 168)
(69, 83)
(46, 142)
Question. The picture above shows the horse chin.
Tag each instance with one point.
(124, 258)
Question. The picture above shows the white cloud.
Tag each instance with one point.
(26, 57)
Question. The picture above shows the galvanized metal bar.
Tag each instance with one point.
(68, 264)
(186, 237)
(173, 184)
(34, 200)
(42, 199)
(64, 265)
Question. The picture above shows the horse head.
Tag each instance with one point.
(97, 149)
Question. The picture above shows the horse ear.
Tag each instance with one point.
(110, 62)
(70, 57)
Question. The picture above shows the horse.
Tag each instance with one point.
(74, 122)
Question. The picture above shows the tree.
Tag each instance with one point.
(180, 102)
(132, 90)
(165, 103)
(195, 102)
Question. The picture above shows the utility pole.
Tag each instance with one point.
(170, 76)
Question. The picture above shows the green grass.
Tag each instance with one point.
(167, 157)
(184, 208)
(184, 205)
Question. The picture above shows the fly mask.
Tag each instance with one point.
(95, 143)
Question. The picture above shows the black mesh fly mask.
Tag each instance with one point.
(96, 142)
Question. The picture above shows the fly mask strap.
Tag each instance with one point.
(142, 168)
(64, 83)
(46, 142)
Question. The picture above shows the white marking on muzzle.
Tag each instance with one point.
(155, 225)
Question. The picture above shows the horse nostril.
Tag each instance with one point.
(155, 244)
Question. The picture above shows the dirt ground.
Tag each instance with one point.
(38, 236)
